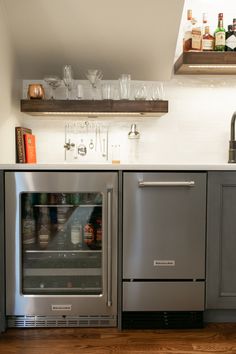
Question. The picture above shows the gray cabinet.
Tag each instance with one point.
(2, 272)
(221, 241)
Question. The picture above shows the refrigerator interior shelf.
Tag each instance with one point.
(51, 272)
(99, 290)
(61, 252)
(67, 205)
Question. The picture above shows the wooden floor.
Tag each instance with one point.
(214, 338)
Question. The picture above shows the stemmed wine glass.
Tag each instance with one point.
(67, 78)
(53, 82)
(94, 76)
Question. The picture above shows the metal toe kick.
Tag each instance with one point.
(61, 321)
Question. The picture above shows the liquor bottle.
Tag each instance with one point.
(99, 232)
(234, 31)
(230, 41)
(28, 224)
(44, 228)
(220, 35)
(196, 37)
(187, 38)
(208, 40)
(61, 237)
(88, 234)
(76, 236)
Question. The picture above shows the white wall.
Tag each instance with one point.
(9, 110)
(195, 130)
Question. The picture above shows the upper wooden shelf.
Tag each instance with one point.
(94, 108)
(206, 63)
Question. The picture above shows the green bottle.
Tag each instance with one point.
(220, 35)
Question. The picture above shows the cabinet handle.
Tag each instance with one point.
(167, 184)
(109, 247)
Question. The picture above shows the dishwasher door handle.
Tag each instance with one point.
(142, 184)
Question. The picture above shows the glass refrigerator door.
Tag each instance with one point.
(62, 240)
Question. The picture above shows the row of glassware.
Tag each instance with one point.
(95, 88)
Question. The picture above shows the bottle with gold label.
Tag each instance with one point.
(207, 40)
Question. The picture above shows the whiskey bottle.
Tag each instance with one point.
(187, 38)
(207, 40)
(76, 236)
(28, 225)
(230, 41)
(44, 228)
(220, 35)
(196, 37)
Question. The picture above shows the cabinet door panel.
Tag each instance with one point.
(2, 271)
(221, 241)
(164, 226)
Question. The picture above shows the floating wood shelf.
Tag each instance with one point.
(206, 63)
(94, 108)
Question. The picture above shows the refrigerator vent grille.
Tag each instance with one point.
(162, 319)
(59, 321)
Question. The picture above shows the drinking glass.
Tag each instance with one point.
(141, 93)
(124, 81)
(80, 92)
(107, 91)
(53, 82)
(94, 75)
(157, 91)
(67, 78)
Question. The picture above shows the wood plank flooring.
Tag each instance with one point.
(214, 338)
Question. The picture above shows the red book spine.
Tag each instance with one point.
(30, 148)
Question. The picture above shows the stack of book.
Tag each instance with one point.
(25, 145)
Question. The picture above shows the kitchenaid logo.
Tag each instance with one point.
(163, 263)
(61, 307)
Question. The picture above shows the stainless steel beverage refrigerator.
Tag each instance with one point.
(61, 249)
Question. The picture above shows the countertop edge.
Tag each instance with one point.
(124, 167)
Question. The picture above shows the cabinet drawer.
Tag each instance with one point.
(163, 296)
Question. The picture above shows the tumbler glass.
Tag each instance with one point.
(124, 81)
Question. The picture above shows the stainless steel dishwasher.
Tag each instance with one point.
(163, 249)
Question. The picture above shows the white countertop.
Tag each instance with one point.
(117, 167)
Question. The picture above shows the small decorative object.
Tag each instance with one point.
(36, 91)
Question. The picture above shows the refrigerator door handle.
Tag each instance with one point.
(142, 184)
(109, 247)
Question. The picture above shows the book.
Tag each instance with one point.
(20, 144)
(30, 148)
